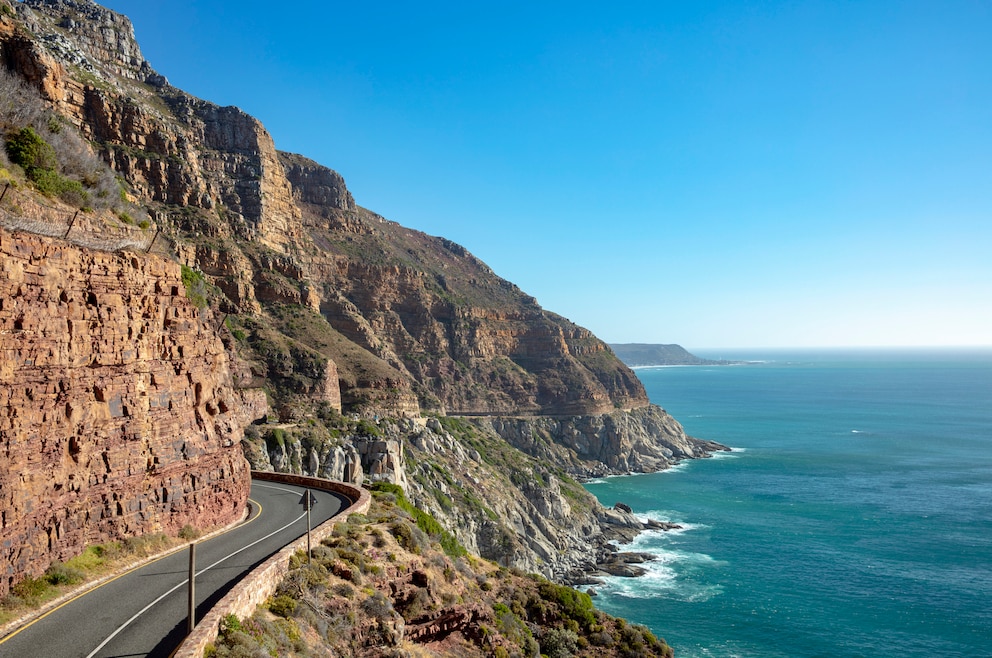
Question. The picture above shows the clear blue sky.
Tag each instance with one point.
(715, 174)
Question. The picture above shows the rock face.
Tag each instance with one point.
(639, 441)
(117, 416)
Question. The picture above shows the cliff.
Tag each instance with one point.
(354, 326)
(117, 417)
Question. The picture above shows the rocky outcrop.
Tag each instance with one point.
(351, 459)
(637, 441)
(117, 415)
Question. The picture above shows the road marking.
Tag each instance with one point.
(186, 580)
(124, 573)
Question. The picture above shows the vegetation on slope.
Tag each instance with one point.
(382, 586)
(41, 149)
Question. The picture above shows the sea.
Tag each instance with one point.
(853, 517)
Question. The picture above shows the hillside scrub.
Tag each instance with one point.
(95, 561)
(365, 593)
(52, 155)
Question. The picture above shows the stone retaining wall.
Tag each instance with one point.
(256, 587)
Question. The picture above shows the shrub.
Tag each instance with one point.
(60, 574)
(38, 159)
(559, 643)
(196, 286)
(427, 523)
(30, 589)
(188, 533)
(27, 149)
(368, 428)
(282, 605)
(51, 183)
(575, 605)
(344, 589)
(378, 606)
(408, 536)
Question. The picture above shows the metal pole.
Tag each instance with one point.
(153, 240)
(309, 505)
(191, 614)
(73, 221)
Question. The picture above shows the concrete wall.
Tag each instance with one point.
(256, 587)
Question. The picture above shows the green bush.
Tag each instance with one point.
(282, 605)
(38, 159)
(29, 150)
(196, 286)
(51, 183)
(575, 605)
(427, 523)
(60, 574)
(368, 428)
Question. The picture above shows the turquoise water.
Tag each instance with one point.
(854, 518)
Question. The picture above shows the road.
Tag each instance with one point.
(143, 612)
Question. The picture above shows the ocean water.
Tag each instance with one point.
(854, 517)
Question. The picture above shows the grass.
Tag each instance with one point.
(94, 562)
(196, 286)
(427, 523)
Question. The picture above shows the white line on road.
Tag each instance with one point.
(186, 580)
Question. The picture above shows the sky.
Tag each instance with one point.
(713, 174)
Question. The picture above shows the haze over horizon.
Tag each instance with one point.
(709, 174)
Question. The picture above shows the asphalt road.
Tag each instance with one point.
(143, 612)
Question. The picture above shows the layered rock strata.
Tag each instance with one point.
(117, 416)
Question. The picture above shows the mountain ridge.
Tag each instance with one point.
(362, 338)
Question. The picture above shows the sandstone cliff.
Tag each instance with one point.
(117, 416)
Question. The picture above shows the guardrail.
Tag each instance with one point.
(259, 585)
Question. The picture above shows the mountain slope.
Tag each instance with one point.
(363, 334)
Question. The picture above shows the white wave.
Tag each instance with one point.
(664, 516)
(677, 467)
(672, 573)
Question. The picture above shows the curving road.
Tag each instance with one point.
(143, 612)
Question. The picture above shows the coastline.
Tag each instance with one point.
(622, 526)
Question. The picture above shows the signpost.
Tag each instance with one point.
(308, 501)
(191, 615)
